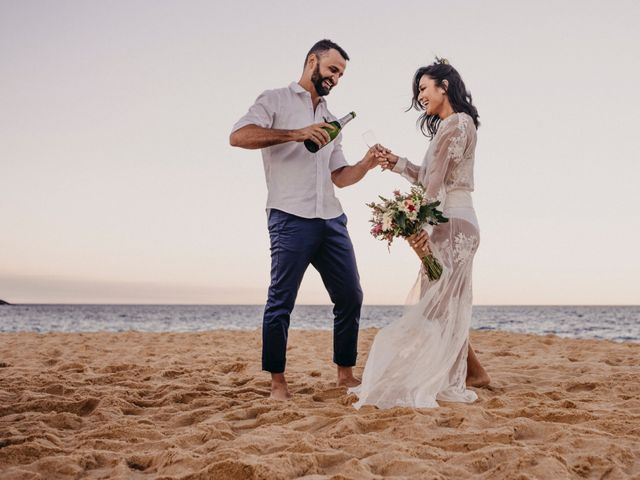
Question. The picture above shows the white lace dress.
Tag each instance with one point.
(422, 356)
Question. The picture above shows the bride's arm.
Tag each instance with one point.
(449, 148)
(402, 166)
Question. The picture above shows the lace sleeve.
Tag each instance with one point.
(450, 145)
(407, 169)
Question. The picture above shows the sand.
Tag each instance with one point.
(195, 406)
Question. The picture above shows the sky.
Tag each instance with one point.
(118, 184)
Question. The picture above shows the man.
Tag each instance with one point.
(305, 219)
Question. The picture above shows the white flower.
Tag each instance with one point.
(387, 220)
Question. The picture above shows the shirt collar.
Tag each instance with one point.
(297, 88)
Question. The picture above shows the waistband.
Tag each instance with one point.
(458, 199)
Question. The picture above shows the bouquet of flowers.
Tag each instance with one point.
(405, 215)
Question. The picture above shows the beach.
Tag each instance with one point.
(196, 406)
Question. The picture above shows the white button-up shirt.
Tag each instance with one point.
(298, 181)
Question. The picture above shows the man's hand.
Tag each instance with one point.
(374, 156)
(316, 133)
(351, 174)
(389, 160)
(418, 242)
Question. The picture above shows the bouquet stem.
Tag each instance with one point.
(432, 266)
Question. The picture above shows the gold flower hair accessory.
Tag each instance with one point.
(442, 61)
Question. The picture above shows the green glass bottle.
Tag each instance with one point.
(313, 147)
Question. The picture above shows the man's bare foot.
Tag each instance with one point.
(481, 380)
(279, 388)
(346, 378)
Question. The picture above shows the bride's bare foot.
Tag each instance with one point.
(481, 380)
(477, 376)
(346, 378)
(279, 388)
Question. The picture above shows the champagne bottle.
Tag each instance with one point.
(313, 147)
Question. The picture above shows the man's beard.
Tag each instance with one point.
(317, 81)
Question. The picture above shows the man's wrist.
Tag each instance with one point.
(364, 164)
(294, 136)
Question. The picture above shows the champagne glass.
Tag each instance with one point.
(369, 138)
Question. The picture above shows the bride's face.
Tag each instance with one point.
(431, 96)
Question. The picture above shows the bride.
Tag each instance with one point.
(425, 355)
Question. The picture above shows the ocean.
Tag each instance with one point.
(617, 323)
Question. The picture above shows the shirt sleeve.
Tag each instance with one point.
(262, 113)
(407, 169)
(337, 159)
(449, 148)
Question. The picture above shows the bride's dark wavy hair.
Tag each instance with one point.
(459, 96)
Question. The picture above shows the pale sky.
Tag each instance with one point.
(118, 185)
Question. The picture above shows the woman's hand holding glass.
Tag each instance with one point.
(389, 160)
(383, 155)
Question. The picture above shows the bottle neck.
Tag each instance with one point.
(346, 119)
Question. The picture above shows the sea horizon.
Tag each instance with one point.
(609, 322)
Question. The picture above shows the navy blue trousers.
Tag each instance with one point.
(296, 243)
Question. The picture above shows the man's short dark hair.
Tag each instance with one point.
(324, 46)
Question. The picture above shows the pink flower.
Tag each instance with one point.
(409, 206)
